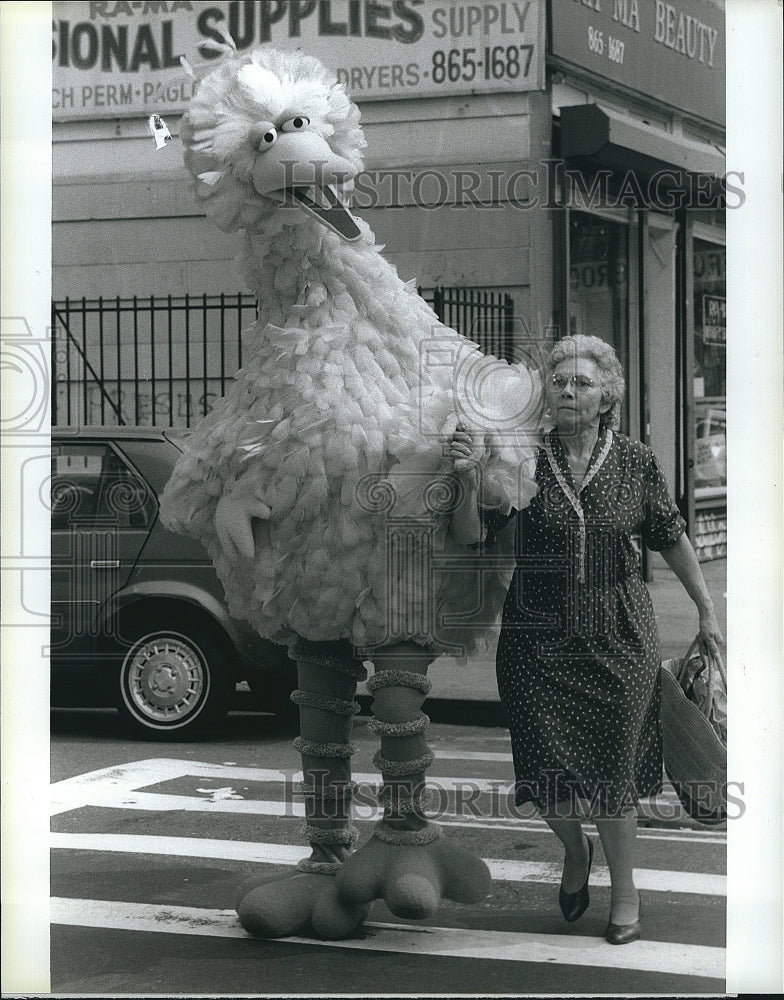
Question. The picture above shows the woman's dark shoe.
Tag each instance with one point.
(624, 933)
(574, 904)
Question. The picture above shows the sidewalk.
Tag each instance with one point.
(675, 614)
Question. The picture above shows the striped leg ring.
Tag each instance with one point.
(337, 706)
(404, 755)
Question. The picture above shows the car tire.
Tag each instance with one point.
(176, 679)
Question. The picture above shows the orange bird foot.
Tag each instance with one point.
(296, 903)
(412, 879)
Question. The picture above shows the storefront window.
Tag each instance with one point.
(598, 283)
(710, 369)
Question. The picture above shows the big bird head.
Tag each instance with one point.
(270, 129)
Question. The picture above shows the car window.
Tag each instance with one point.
(92, 486)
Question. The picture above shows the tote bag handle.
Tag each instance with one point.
(713, 665)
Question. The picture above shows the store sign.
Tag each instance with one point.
(672, 52)
(714, 320)
(598, 274)
(114, 60)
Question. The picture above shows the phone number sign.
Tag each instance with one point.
(672, 51)
(113, 60)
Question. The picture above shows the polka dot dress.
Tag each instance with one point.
(579, 653)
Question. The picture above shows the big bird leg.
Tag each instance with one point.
(306, 901)
(406, 863)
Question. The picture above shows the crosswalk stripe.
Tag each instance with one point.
(118, 787)
(697, 883)
(505, 758)
(130, 777)
(489, 756)
(120, 782)
(365, 813)
(641, 956)
(145, 772)
(154, 802)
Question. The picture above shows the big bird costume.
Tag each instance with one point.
(319, 486)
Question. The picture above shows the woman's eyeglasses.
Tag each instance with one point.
(579, 381)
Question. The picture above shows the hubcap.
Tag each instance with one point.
(167, 680)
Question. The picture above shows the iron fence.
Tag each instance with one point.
(162, 361)
(483, 316)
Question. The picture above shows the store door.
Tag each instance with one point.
(658, 336)
(708, 423)
(602, 297)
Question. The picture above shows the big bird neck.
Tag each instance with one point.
(303, 261)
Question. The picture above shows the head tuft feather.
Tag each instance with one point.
(246, 88)
(259, 84)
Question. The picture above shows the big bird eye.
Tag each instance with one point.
(295, 124)
(263, 135)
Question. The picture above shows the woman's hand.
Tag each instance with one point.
(465, 452)
(233, 523)
(465, 526)
(710, 636)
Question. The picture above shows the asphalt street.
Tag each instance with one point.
(150, 840)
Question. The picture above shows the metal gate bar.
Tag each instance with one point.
(193, 349)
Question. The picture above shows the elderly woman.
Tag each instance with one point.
(579, 654)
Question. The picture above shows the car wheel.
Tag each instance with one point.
(175, 682)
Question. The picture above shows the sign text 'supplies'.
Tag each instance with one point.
(122, 59)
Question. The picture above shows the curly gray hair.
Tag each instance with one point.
(606, 360)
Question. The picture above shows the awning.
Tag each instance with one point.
(588, 131)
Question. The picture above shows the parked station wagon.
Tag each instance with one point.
(139, 619)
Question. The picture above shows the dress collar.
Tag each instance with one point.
(560, 464)
(556, 456)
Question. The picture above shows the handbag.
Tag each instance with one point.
(694, 732)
